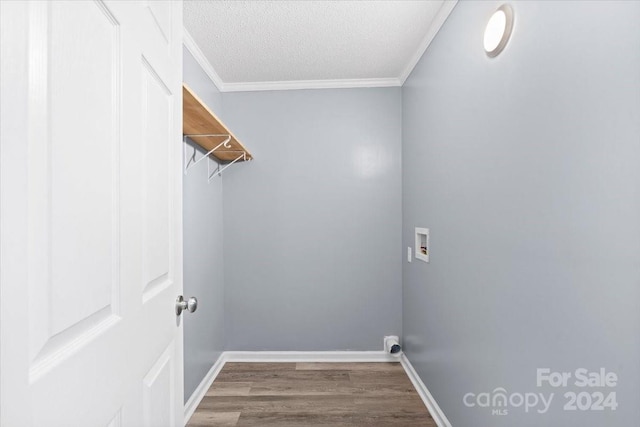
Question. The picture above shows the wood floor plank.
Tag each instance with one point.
(229, 389)
(276, 419)
(218, 419)
(277, 375)
(361, 377)
(304, 388)
(383, 390)
(257, 366)
(312, 394)
(369, 367)
(283, 404)
(395, 420)
(394, 405)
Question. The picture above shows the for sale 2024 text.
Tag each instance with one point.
(582, 378)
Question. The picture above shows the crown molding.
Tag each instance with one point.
(437, 23)
(201, 59)
(311, 84)
(439, 20)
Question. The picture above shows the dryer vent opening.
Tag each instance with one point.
(392, 345)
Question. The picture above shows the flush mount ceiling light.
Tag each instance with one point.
(498, 30)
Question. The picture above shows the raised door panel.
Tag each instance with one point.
(157, 203)
(73, 182)
(116, 421)
(161, 13)
(158, 391)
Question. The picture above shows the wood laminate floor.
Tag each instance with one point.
(312, 394)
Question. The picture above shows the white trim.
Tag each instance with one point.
(434, 28)
(312, 84)
(201, 59)
(309, 356)
(436, 413)
(200, 391)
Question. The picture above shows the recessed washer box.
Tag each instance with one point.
(422, 244)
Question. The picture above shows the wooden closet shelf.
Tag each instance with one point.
(198, 119)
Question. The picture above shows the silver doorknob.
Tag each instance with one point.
(182, 305)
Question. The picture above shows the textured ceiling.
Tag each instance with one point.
(253, 45)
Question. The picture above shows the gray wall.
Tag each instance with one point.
(526, 168)
(312, 226)
(203, 255)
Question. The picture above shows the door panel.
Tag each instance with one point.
(84, 212)
(158, 391)
(161, 13)
(157, 208)
(74, 240)
(91, 257)
(116, 421)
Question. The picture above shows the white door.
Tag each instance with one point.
(91, 252)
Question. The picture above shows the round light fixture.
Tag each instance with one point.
(498, 30)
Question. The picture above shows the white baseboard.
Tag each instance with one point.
(436, 413)
(309, 356)
(201, 390)
(314, 356)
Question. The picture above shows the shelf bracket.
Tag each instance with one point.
(191, 162)
(219, 171)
